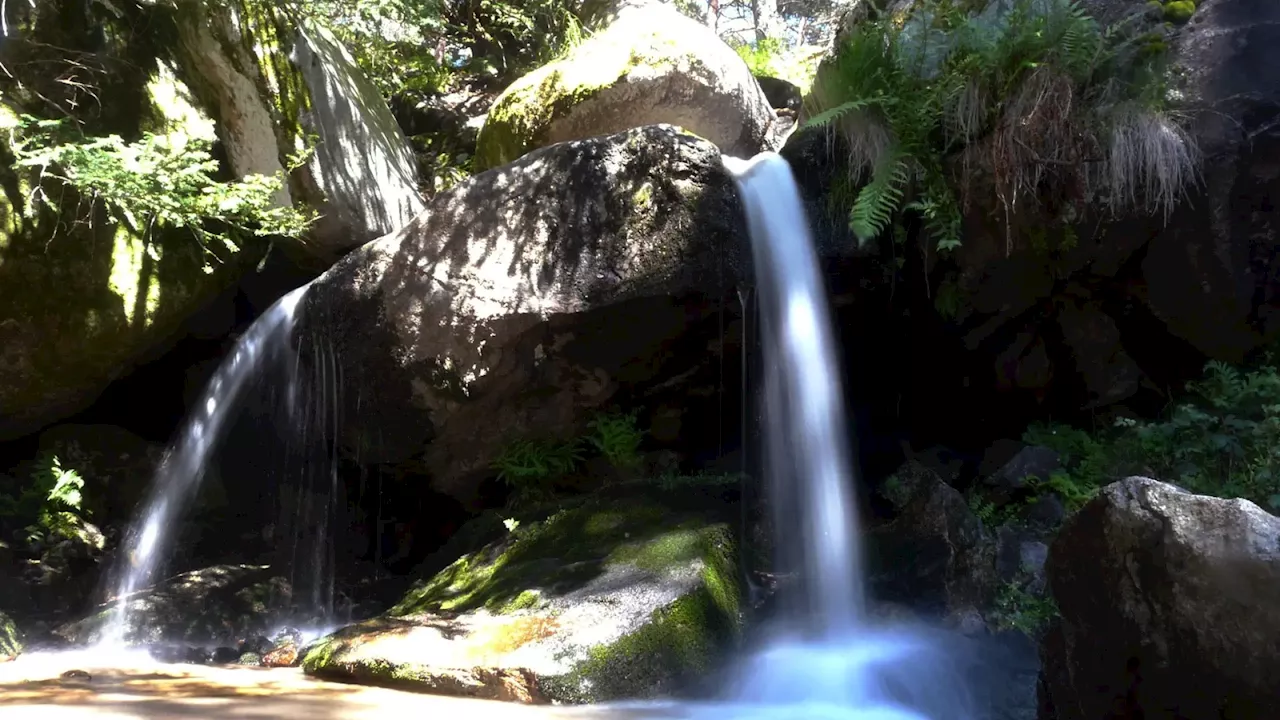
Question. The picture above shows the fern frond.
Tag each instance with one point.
(827, 117)
(879, 199)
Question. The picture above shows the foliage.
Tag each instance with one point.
(160, 180)
(528, 466)
(49, 506)
(1017, 608)
(417, 48)
(1030, 91)
(1223, 440)
(617, 438)
(763, 56)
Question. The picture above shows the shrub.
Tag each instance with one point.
(1222, 440)
(1032, 96)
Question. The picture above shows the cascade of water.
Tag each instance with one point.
(179, 476)
(832, 664)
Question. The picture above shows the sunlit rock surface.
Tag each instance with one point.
(651, 65)
(363, 168)
(526, 297)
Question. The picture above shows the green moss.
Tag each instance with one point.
(523, 115)
(642, 199)
(527, 600)
(1179, 11)
(10, 637)
(680, 643)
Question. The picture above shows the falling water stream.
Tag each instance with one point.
(178, 478)
(824, 660)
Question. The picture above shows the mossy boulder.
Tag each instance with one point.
(624, 594)
(651, 65)
(10, 638)
(83, 298)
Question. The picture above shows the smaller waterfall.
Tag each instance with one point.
(179, 476)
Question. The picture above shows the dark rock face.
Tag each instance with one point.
(225, 603)
(1170, 608)
(529, 296)
(935, 556)
(1134, 305)
(1212, 273)
(781, 94)
(116, 464)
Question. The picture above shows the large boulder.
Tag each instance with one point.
(627, 594)
(527, 297)
(935, 556)
(652, 65)
(1170, 608)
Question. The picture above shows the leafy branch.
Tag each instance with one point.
(160, 180)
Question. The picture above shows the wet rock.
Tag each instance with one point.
(1031, 462)
(1170, 606)
(621, 596)
(10, 638)
(283, 655)
(935, 556)
(652, 65)
(216, 604)
(224, 655)
(527, 297)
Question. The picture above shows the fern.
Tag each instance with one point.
(828, 117)
(879, 199)
(1026, 89)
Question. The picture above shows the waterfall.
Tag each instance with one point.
(178, 478)
(826, 660)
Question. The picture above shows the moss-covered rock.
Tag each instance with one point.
(10, 638)
(652, 65)
(620, 595)
(83, 298)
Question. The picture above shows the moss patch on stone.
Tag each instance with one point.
(1179, 11)
(564, 550)
(521, 117)
(680, 644)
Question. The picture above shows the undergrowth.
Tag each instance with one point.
(1222, 440)
(532, 467)
(1027, 100)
